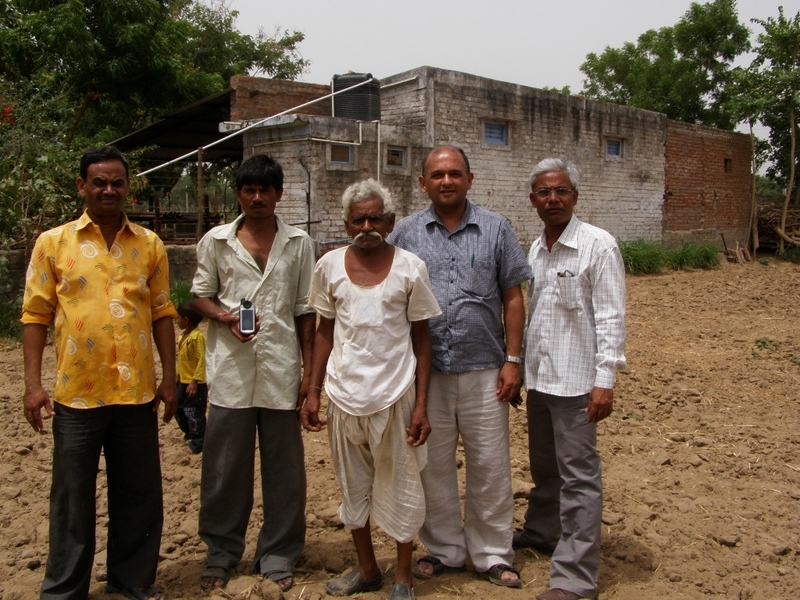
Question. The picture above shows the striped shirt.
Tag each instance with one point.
(469, 268)
(575, 335)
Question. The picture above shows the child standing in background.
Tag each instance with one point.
(192, 387)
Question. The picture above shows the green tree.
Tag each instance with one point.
(76, 73)
(37, 172)
(123, 63)
(682, 71)
(773, 81)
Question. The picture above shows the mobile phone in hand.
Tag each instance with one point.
(247, 318)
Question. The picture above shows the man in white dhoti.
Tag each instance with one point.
(374, 302)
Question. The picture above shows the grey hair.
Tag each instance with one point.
(366, 190)
(549, 165)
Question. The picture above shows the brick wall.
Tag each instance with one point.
(257, 97)
(708, 184)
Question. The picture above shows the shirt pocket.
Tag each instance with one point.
(479, 279)
(569, 292)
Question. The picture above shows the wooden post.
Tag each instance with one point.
(157, 214)
(200, 209)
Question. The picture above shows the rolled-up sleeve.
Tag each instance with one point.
(160, 303)
(307, 258)
(205, 283)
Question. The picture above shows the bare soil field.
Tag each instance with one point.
(701, 464)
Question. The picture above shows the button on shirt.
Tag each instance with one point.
(103, 302)
(264, 372)
(575, 335)
(469, 268)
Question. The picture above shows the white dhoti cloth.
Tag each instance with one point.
(378, 471)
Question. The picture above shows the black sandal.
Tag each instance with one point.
(495, 575)
(140, 593)
(216, 573)
(281, 576)
(439, 568)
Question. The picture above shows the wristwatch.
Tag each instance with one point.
(513, 359)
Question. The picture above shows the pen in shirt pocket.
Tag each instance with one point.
(473, 262)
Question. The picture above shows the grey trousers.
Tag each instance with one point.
(226, 488)
(566, 506)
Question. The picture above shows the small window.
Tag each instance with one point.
(614, 148)
(729, 165)
(495, 134)
(396, 157)
(341, 154)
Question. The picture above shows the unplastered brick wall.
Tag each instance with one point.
(404, 100)
(623, 195)
(708, 184)
(258, 97)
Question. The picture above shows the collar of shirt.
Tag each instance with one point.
(468, 218)
(85, 220)
(229, 233)
(568, 238)
(282, 236)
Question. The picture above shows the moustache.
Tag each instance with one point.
(369, 233)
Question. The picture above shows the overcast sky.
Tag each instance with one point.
(531, 42)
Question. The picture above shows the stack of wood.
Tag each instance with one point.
(769, 218)
(738, 254)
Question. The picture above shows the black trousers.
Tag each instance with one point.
(128, 437)
(191, 415)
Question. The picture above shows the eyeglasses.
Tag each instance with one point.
(560, 192)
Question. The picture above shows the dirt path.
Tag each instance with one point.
(701, 463)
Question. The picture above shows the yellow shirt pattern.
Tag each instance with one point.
(192, 357)
(103, 302)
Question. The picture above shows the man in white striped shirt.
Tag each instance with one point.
(574, 345)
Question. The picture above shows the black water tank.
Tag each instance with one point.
(362, 103)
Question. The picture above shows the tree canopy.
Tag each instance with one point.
(77, 73)
(772, 86)
(682, 71)
(123, 63)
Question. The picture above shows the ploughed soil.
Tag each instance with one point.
(701, 464)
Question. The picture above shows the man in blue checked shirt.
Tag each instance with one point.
(476, 266)
(574, 345)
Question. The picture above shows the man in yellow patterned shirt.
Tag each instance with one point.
(104, 282)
